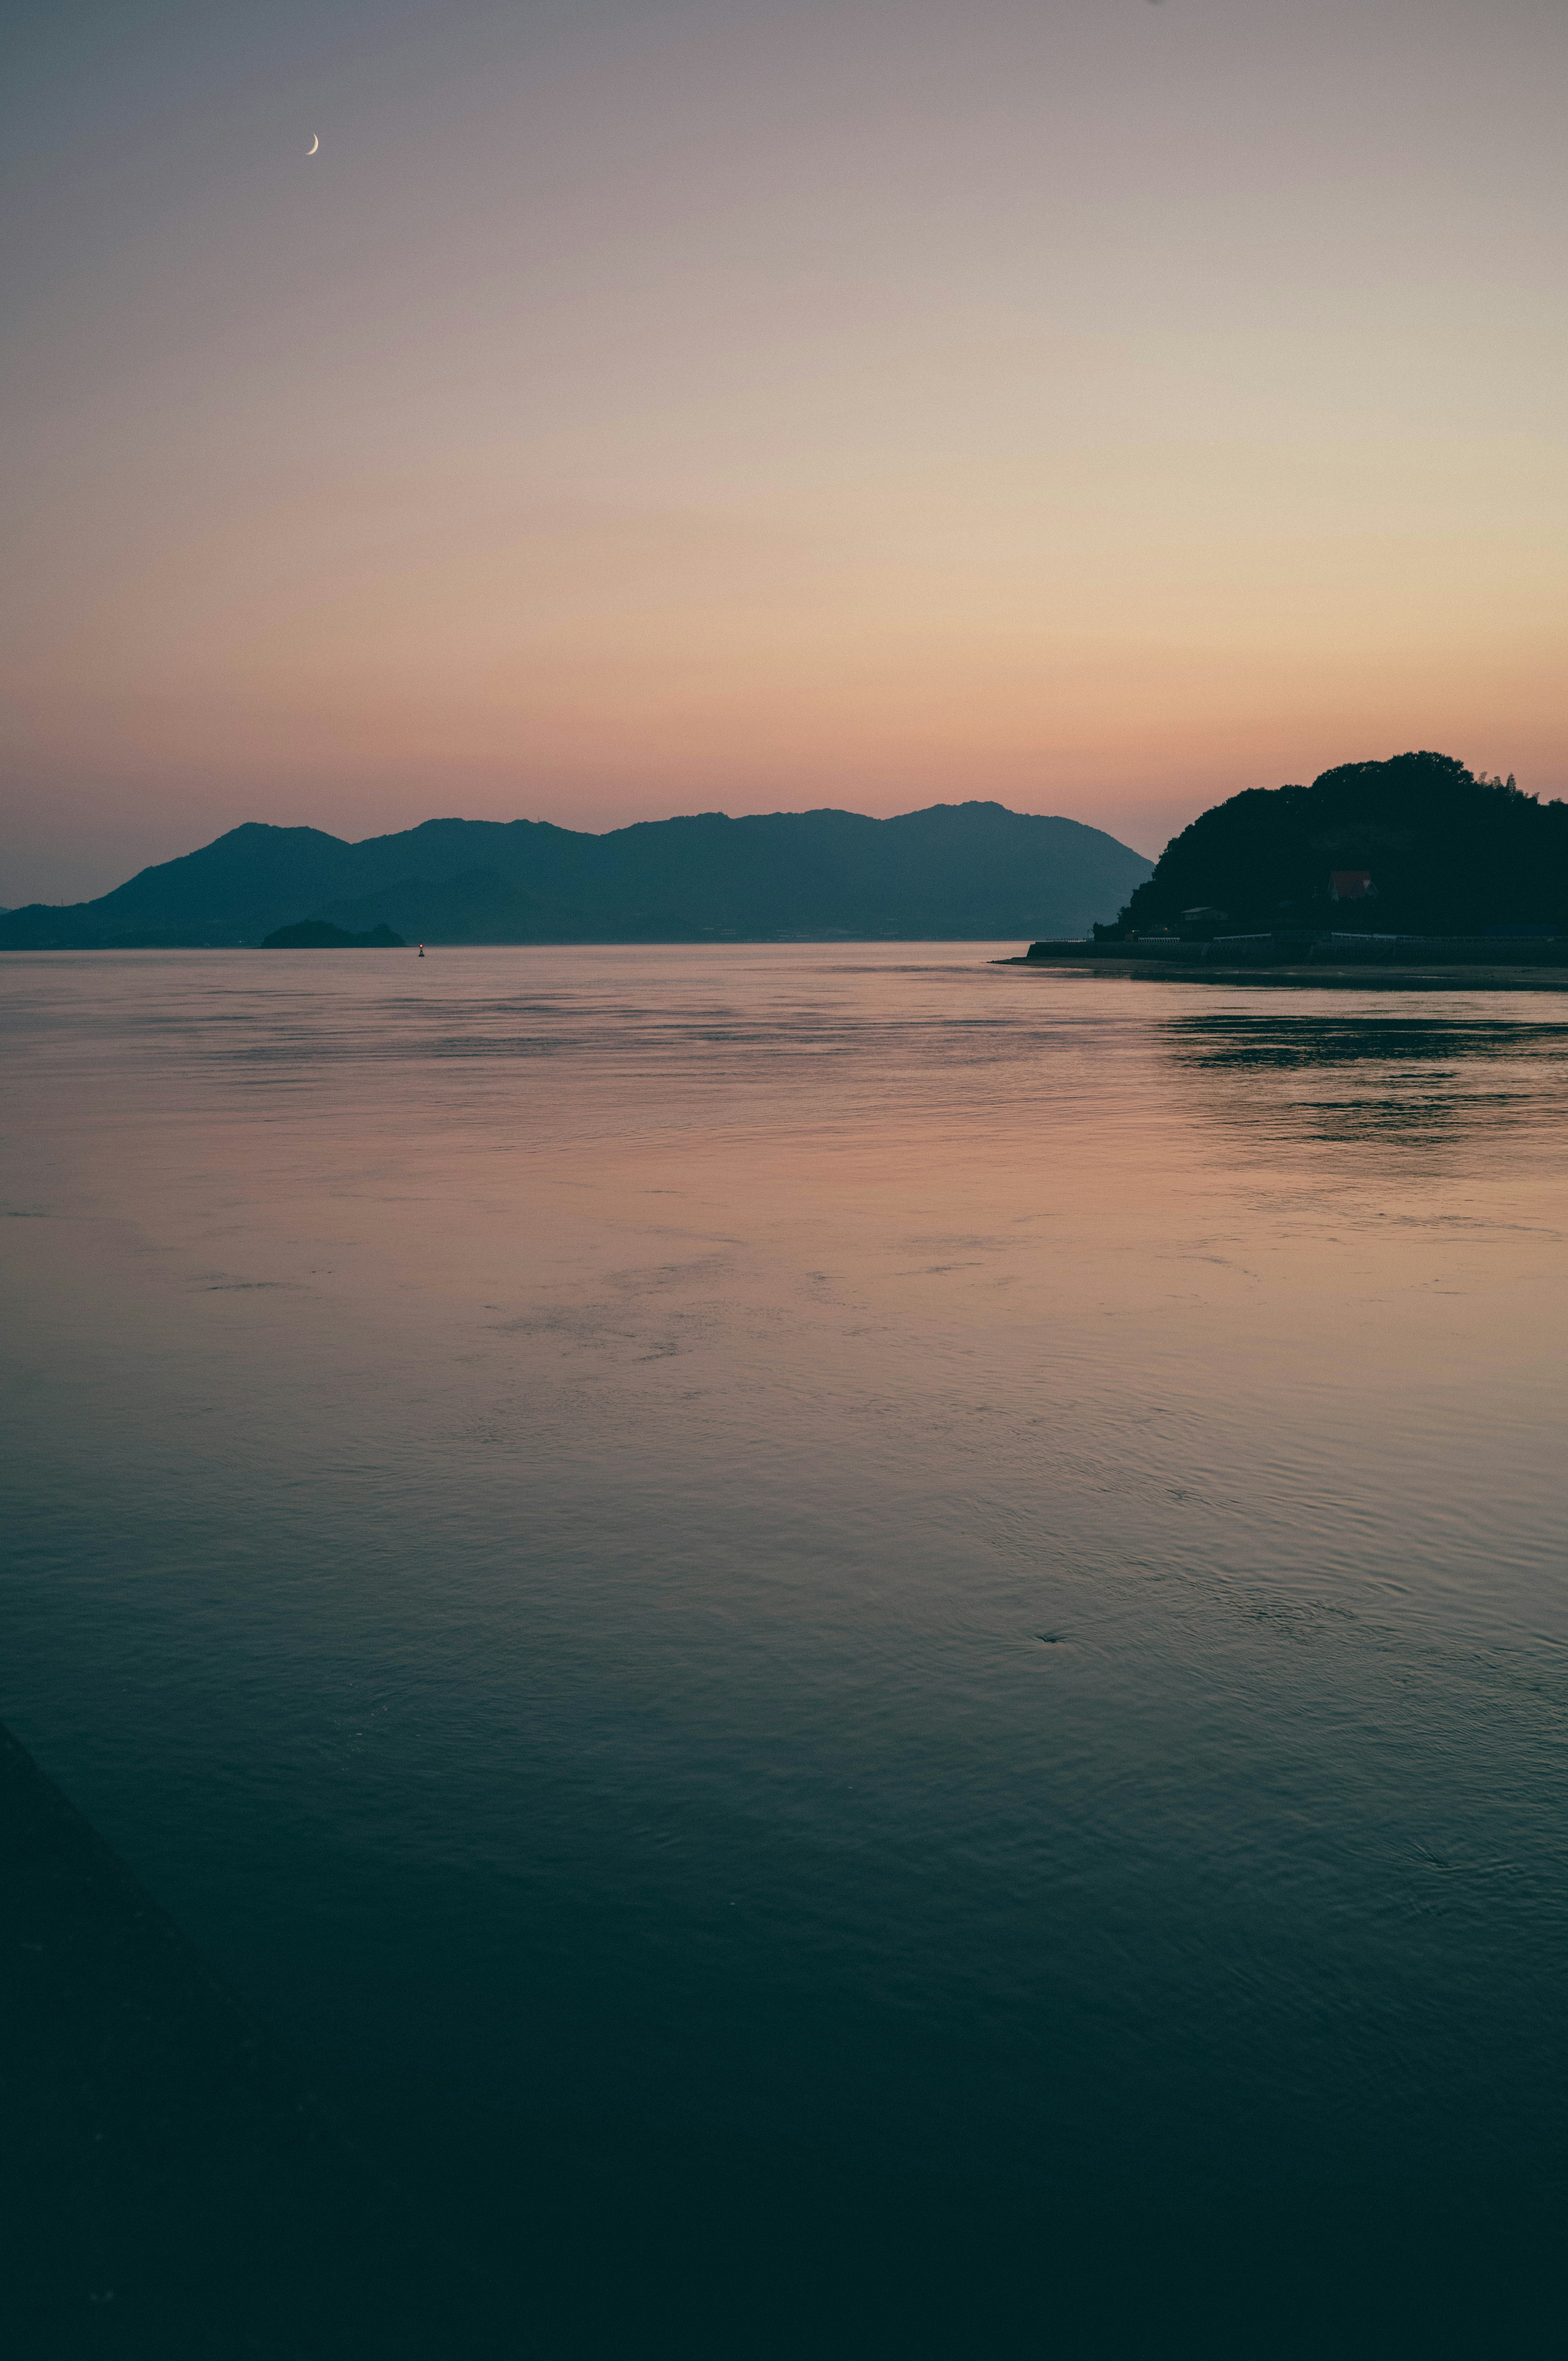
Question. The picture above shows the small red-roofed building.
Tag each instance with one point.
(1351, 885)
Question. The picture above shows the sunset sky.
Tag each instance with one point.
(642, 406)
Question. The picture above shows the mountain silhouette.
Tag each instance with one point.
(1428, 846)
(956, 871)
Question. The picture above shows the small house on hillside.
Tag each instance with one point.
(1351, 885)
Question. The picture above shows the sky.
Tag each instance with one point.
(646, 406)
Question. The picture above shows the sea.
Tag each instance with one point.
(869, 1647)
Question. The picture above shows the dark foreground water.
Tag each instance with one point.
(872, 1649)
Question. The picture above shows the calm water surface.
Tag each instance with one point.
(839, 1563)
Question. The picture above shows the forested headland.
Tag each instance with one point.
(1417, 844)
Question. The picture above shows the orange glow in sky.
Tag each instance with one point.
(641, 409)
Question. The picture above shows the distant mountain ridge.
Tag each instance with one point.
(953, 871)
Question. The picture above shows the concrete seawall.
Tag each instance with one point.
(1468, 964)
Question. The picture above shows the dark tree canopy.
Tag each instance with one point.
(1448, 852)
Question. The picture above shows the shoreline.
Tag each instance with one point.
(1309, 975)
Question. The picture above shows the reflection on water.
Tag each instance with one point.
(536, 1499)
(1417, 1078)
(1288, 1040)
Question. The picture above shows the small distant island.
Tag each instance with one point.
(321, 934)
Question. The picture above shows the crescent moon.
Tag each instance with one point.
(315, 143)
